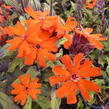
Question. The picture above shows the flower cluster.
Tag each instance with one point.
(36, 38)
(73, 77)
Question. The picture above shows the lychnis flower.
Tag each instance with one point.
(73, 77)
(25, 87)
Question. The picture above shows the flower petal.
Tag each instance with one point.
(34, 84)
(70, 24)
(21, 97)
(48, 55)
(28, 60)
(96, 43)
(71, 97)
(25, 79)
(50, 44)
(69, 41)
(40, 59)
(66, 60)
(98, 37)
(77, 60)
(58, 70)
(24, 49)
(64, 89)
(90, 72)
(14, 43)
(33, 92)
(83, 89)
(89, 30)
(87, 63)
(56, 79)
(91, 86)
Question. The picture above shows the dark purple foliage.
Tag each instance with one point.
(79, 14)
(100, 5)
(1, 2)
(80, 3)
(80, 44)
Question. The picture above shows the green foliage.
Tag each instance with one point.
(15, 67)
(55, 102)
(16, 62)
(43, 102)
(28, 104)
(6, 102)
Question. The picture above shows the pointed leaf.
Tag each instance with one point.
(55, 102)
(6, 102)
(28, 104)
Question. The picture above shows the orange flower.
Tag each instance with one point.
(49, 23)
(5, 31)
(92, 38)
(38, 39)
(36, 14)
(70, 25)
(1, 19)
(0, 11)
(33, 44)
(6, 6)
(53, 24)
(20, 41)
(42, 48)
(73, 78)
(25, 87)
(91, 4)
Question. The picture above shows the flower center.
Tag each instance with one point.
(75, 77)
(23, 37)
(26, 88)
(38, 46)
(42, 18)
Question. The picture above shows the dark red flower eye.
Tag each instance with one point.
(75, 77)
(37, 46)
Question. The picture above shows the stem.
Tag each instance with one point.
(95, 107)
(51, 7)
(88, 104)
(22, 5)
(35, 5)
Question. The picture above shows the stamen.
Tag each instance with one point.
(42, 18)
(23, 36)
(38, 46)
(75, 77)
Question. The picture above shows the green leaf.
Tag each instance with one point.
(107, 69)
(80, 104)
(33, 71)
(55, 102)
(99, 82)
(4, 51)
(107, 58)
(28, 104)
(61, 41)
(14, 64)
(43, 102)
(6, 102)
(60, 53)
(14, 15)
